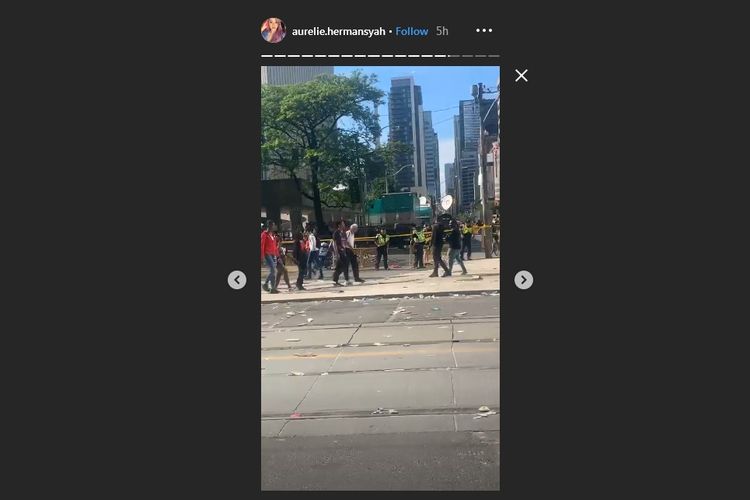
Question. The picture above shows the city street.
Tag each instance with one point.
(381, 393)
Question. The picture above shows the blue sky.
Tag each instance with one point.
(442, 88)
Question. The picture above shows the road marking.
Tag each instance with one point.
(370, 354)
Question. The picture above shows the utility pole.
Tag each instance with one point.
(486, 212)
(486, 234)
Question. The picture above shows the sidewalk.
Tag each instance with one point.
(484, 276)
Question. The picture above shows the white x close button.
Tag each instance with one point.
(521, 75)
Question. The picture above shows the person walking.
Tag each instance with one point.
(300, 253)
(437, 240)
(281, 271)
(323, 254)
(312, 259)
(381, 243)
(467, 235)
(268, 254)
(418, 239)
(455, 240)
(353, 260)
(340, 244)
(428, 240)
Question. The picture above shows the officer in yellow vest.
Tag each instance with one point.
(466, 232)
(418, 238)
(381, 244)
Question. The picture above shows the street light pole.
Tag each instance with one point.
(394, 175)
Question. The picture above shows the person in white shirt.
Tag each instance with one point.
(312, 257)
(350, 253)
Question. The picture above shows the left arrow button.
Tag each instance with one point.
(237, 280)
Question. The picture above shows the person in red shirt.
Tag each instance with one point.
(268, 253)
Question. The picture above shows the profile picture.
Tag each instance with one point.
(273, 30)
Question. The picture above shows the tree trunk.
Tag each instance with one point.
(317, 205)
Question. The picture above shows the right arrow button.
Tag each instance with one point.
(524, 280)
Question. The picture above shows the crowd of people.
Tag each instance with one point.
(457, 234)
(312, 256)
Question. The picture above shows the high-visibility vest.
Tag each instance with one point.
(467, 230)
(420, 236)
(381, 240)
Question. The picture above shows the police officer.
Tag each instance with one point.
(381, 243)
(418, 239)
(467, 235)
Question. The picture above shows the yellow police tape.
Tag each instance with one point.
(368, 238)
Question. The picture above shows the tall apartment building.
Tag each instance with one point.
(431, 156)
(467, 136)
(451, 185)
(406, 125)
(467, 143)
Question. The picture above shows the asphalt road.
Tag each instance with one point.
(337, 312)
(327, 367)
(414, 461)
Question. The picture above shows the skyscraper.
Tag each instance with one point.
(288, 75)
(467, 137)
(406, 125)
(431, 156)
(451, 184)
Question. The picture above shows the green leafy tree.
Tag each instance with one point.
(323, 129)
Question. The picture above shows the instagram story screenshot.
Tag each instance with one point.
(379, 234)
(361, 249)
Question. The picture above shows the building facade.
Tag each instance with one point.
(467, 133)
(406, 125)
(431, 157)
(451, 186)
(467, 143)
(289, 75)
